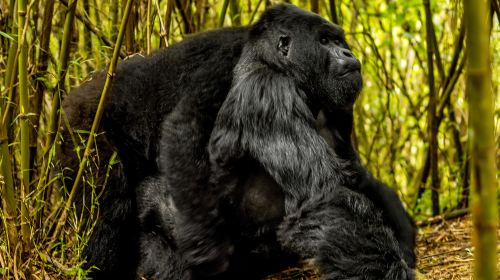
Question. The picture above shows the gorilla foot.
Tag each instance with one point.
(206, 251)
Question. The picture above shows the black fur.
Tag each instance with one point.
(265, 117)
(207, 198)
(336, 127)
(144, 92)
(345, 235)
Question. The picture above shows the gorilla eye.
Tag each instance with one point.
(284, 45)
(337, 42)
(323, 40)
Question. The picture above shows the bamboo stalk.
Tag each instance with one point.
(235, 12)
(333, 11)
(7, 186)
(24, 121)
(63, 68)
(54, 116)
(12, 56)
(164, 32)
(114, 8)
(168, 19)
(95, 125)
(252, 17)
(225, 4)
(185, 19)
(92, 27)
(43, 59)
(6, 180)
(315, 6)
(130, 34)
(148, 28)
(481, 134)
(432, 121)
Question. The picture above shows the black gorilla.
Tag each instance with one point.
(213, 201)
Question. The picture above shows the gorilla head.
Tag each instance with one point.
(310, 49)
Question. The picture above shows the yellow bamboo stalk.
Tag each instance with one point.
(6, 177)
(54, 116)
(481, 135)
(95, 124)
(149, 26)
(23, 117)
(225, 4)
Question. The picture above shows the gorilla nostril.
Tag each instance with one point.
(347, 53)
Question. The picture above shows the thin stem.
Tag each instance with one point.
(95, 124)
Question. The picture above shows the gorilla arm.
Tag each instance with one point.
(336, 127)
(344, 234)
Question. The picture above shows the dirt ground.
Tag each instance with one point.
(444, 252)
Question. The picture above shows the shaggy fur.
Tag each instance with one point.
(199, 211)
(336, 128)
(265, 117)
(344, 233)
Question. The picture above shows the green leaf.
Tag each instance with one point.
(8, 36)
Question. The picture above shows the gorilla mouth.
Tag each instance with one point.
(348, 73)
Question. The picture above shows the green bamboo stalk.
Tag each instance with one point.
(168, 20)
(481, 132)
(130, 34)
(315, 6)
(235, 12)
(10, 76)
(95, 124)
(252, 17)
(94, 13)
(61, 74)
(225, 4)
(148, 28)
(41, 71)
(333, 11)
(185, 19)
(164, 28)
(114, 9)
(24, 121)
(86, 42)
(8, 193)
(54, 117)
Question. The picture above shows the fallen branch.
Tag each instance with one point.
(443, 217)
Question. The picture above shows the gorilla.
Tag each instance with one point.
(229, 154)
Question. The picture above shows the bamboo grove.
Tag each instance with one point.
(429, 85)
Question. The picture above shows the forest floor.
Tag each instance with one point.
(444, 252)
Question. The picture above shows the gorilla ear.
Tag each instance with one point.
(284, 44)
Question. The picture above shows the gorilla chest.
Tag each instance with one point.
(257, 200)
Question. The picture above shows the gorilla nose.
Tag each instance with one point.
(347, 60)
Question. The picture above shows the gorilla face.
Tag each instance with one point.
(313, 51)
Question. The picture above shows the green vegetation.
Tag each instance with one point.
(416, 126)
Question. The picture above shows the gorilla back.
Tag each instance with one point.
(145, 90)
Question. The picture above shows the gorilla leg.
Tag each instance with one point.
(158, 256)
(117, 231)
(343, 232)
(202, 240)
